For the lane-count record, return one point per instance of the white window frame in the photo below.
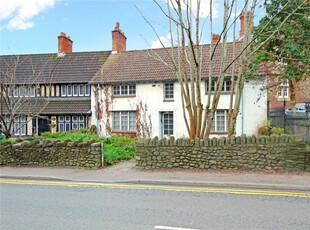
(284, 89)
(61, 127)
(69, 88)
(20, 125)
(75, 87)
(226, 84)
(126, 120)
(124, 90)
(116, 90)
(74, 118)
(61, 119)
(63, 90)
(169, 91)
(81, 90)
(167, 128)
(81, 119)
(70, 122)
(215, 127)
(22, 91)
(132, 90)
(15, 91)
(32, 91)
(87, 90)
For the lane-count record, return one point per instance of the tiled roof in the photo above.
(76, 67)
(68, 106)
(148, 65)
(54, 106)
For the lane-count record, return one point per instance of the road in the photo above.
(66, 205)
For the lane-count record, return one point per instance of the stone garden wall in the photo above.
(48, 153)
(288, 153)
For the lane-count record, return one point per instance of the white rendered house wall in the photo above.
(252, 112)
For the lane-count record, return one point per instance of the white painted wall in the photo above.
(254, 110)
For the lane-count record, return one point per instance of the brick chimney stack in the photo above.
(215, 38)
(64, 43)
(118, 39)
(242, 22)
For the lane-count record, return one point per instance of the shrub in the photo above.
(268, 130)
(277, 130)
(117, 148)
(73, 135)
(265, 130)
(5, 140)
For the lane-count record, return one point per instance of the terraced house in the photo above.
(47, 92)
(137, 93)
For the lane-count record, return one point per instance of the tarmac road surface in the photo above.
(68, 205)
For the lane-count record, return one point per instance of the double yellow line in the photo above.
(262, 192)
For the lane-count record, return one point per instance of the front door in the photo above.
(40, 125)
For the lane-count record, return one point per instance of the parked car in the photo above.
(299, 109)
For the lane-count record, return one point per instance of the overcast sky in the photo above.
(32, 26)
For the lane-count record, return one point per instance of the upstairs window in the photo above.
(63, 90)
(22, 91)
(75, 90)
(212, 86)
(87, 90)
(169, 91)
(81, 90)
(225, 88)
(122, 90)
(69, 90)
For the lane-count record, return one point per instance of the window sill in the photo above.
(131, 133)
(124, 96)
(219, 133)
(284, 99)
(168, 100)
(222, 93)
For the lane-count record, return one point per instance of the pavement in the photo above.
(126, 172)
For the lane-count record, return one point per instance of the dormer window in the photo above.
(75, 90)
(81, 90)
(63, 90)
(69, 90)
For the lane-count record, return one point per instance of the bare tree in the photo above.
(21, 81)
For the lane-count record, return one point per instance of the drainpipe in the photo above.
(97, 100)
(242, 114)
(102, 154)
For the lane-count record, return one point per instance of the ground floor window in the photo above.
(167, 123)
(20, 125)
(68, 123)
(220, 121)
(124, 121)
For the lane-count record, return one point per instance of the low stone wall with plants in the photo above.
(287, 153)
(51, 154)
